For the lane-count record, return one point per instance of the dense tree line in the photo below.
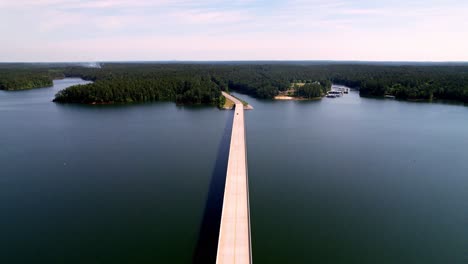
(202, 83)
(128, 89)
(21, 79)
(127, 83)
(407, 82)
(313, 89)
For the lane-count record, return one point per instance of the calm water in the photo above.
(348, 180)
(103, 184)
(355, 180)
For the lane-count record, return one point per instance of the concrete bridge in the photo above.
(234, 245)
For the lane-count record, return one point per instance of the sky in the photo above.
(149, 30)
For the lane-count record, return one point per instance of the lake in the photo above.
(104, 184)
(358, 180)
(345, 180)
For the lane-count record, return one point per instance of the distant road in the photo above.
(234, 236)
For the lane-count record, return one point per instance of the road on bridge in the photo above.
(234, 246)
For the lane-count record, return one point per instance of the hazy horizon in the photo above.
(397, 62)
(242, 30)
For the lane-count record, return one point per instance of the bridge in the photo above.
(234, 245)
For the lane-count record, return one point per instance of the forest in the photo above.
(191, 83)
(311, 90)
(20, 79)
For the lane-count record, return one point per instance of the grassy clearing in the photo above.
(297, 84)
(228, 104)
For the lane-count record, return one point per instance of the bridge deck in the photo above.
(234, 236)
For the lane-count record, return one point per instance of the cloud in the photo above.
(209, 17)
(362, 11)
(243, 29)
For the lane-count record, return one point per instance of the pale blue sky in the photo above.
(85, 30)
